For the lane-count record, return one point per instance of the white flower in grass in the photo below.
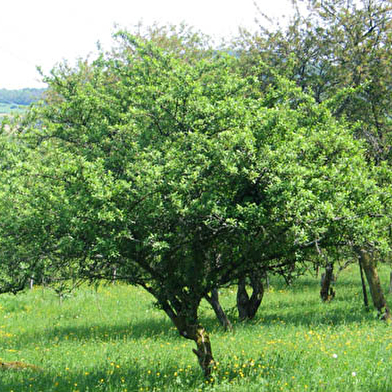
(354, 374)
(334, 355)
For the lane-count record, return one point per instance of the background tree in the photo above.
(339, 51)
(329, 47)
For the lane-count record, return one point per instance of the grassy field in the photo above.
(6, 109)
(114, 339)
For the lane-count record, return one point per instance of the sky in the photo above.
(46, 32)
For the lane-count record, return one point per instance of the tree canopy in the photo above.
(179, 174)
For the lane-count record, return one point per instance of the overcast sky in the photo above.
(45, 32)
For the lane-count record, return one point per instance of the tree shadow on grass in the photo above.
(309, 318)
(155, 329)
(303, 312)
(340, 311)
(106, 377)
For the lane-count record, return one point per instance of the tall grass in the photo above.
(114, 339)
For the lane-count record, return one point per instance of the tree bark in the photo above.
(203, 351)
(188, 327)
(257, 295)
(213, 300)
(327, 293)
(365, 297)
(369, 266)
(242, 299)
(248, 306)
(390, 282)
(183, 313)
(199, 335)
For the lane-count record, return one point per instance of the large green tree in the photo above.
(180, 177)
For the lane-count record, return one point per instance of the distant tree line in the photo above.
(24, 96)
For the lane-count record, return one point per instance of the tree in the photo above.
(339, 52)
(182, 177)
(330, 47)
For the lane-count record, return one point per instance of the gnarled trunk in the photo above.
(203, 352)
(213, 300)
(369, 266)
(199, 335)
(248, 306)
(327, 293)
(188, 327)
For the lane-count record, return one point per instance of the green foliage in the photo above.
(179, 175)
(330, 47)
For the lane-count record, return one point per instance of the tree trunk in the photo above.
(365, 297)
(199, 335)
(374, 283)
(327, 293)
(257, 295)
(188, 327)
(213, 300)
(390, 282)
(247, 307)
(203, 351)
(242, 299)
(317, 269)
(266, 278)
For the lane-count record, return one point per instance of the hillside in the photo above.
(23, 96)
(18, 100)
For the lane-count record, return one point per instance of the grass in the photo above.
(114, 339)
(6, 109)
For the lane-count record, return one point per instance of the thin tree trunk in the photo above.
(327, 293)
(374, 283)
(390, 282)
(365, 297)
(317, 269)
(203, 350)
(213, 300)
(266, 278)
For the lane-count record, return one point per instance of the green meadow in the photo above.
(113, 338)
(6, 109)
